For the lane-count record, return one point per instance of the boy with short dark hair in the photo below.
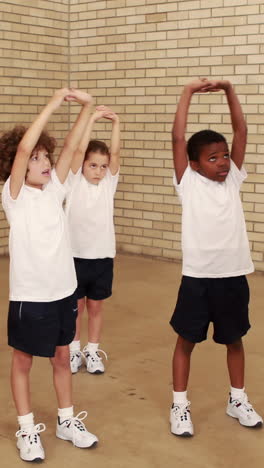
(216, 254)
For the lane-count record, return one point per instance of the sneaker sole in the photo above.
(257, 425)
(97, 372)
(35, 460)
(69, 440)
(76, 371)
(184, 434)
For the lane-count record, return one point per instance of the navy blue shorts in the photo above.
(37, 328)
(222, 301)
(94, 278)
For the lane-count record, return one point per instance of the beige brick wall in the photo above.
(33, 62)
(135, 55)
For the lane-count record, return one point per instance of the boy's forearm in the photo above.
(237, 117)
(180, 120)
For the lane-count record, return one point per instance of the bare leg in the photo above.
(181, 364)
(20, 370)
(236, 363)
(62, 377)
(95, 320)
(81, 307)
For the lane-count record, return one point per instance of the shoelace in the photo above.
(32, 436)
(182, 411)
(93, 355)
(76, 424)
(244, 402)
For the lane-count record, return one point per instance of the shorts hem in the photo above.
(94, 298)
(186, 336)
(233, 340)
(24, 350)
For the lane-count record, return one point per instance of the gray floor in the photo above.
(129, 405)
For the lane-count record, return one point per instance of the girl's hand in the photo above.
(79, 96)
(59, 96)
(107, 113)
(99, 113)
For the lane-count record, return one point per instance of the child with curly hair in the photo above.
(42, 308)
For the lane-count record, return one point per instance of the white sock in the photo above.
(26, 422)
(179, 398)
(65, 413)
(237, 393)
(93, 347)
(75, 346)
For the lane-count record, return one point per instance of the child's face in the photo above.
(214, 162)
(94, 168)
(39, 168)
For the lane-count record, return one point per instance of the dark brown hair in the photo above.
(9, 142)
(96, 146)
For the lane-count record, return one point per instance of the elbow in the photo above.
(24, 150)
(68, 146)
(176, 139)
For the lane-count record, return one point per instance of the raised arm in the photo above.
(79, 154)
(115, 141)
(238, 121)
(73, 138)
(179, 126)
(30, 139)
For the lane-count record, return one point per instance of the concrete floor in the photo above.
(129, 405)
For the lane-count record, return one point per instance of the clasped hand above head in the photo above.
(204, 85)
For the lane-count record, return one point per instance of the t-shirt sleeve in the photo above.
(180, 187)
(237, 175)
(72, 179)
(8, 202)
(112, 180)
(59, 188)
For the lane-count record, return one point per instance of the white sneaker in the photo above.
(180, 420)
(29, 444)
(75, 361)
(242, 410)
(94, 363)
(73, 429)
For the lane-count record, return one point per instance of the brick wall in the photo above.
(135, 55)
(33, 62)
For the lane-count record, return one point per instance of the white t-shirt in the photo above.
(41, 264)
(89, 211)
(214, 237)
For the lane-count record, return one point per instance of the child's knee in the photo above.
(236, 346)
(184, 345)
(61, 360)
(94, 308)
(22, 361)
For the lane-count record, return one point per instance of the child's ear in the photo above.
(195, 165)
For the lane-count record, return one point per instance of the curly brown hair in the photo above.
(9, 142)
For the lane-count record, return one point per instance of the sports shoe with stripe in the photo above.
(94, 363)
(180, 420)
(29, 443)
(75, 361)
(74, 430)
(241, 409)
